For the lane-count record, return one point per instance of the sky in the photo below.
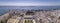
(29, 2)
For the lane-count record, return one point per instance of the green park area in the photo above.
(28, 21)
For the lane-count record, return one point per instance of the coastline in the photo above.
(4, 17)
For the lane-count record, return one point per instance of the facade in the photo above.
(14, 20)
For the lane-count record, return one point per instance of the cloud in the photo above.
(29, 4)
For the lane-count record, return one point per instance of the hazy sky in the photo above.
(29, 2)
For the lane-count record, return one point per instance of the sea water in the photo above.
(4, 9)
